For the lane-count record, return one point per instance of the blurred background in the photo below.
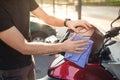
(98, 12)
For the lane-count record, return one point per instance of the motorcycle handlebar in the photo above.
(113, 32)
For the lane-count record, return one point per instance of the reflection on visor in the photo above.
(80, 59)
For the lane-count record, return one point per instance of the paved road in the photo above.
(101, 17)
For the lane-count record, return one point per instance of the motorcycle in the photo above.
(100, 66)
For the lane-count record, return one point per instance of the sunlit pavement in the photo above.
(99, 16)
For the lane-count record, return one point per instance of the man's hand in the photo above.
(74, 46)
(78, 23)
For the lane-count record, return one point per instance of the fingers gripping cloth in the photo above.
(80, 59)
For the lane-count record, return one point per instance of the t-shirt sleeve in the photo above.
(33, 5)
(5, 20)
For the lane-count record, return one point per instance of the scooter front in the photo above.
(62, 69)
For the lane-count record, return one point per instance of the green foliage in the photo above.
(105, 3)
(84, 2)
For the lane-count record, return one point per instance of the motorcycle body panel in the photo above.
(70, 71)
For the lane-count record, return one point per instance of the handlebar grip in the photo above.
(113, 32)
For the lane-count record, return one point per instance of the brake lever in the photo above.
(111, 43)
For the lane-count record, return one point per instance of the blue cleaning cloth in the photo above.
(80, 59)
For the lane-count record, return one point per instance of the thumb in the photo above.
(73, 36)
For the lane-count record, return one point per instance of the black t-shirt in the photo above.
(15, 13)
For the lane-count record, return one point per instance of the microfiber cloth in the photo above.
(80, 59)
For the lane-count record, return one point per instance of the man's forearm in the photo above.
(42, 48)
(55, 21)
(16, 40)
(51, 20)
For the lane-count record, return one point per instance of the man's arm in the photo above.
(51, 20)
(15, 39)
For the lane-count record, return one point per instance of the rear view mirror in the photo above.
(116, 19)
